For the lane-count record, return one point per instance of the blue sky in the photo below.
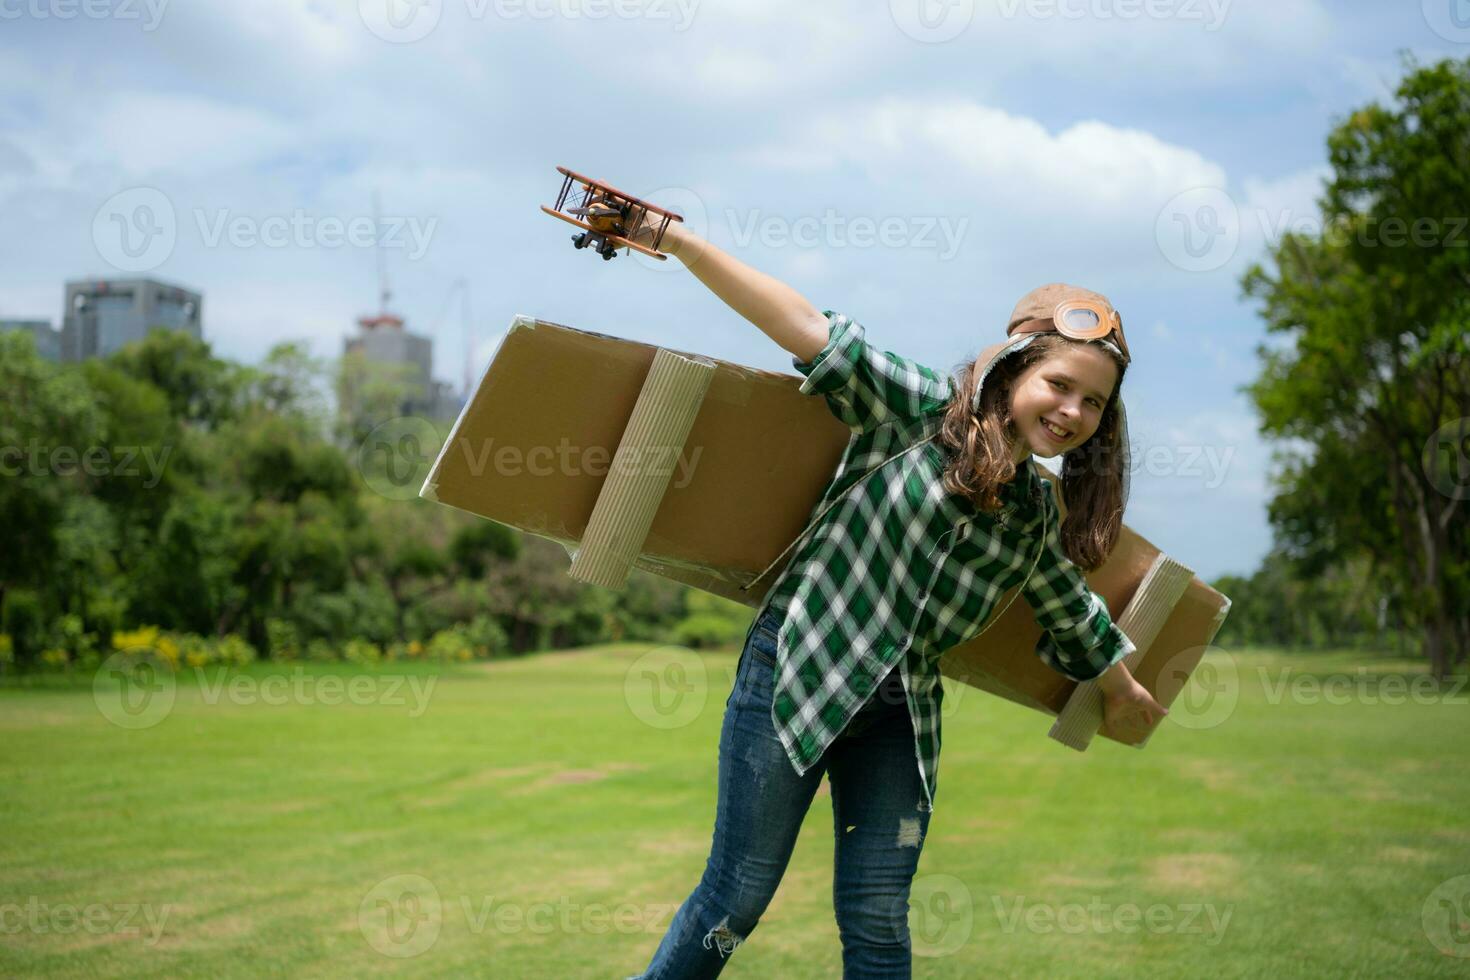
(916, 164)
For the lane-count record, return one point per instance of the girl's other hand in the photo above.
(1130, 712)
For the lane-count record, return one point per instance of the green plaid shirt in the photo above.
(899, 571)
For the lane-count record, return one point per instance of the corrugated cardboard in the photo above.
(533, 447)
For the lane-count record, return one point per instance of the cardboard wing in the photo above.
(704, 471)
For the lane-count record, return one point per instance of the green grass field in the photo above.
(542, 818)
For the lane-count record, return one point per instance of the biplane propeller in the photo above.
(611, 216)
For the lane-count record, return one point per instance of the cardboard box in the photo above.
(727, 465)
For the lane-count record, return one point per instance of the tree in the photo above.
(1376, 311)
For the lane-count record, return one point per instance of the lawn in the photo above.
(543, 818)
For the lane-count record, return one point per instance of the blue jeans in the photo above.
(879, 828)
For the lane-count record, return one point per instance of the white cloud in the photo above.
(149, 132)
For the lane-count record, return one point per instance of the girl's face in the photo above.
(1058, 402)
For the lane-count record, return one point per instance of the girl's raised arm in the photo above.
(779, 311)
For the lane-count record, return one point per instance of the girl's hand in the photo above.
(643, 231)
(1130, 712)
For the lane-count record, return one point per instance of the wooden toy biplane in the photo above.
(610, 215)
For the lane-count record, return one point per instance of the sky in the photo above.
(916, 164)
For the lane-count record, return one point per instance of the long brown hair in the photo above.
(981, 444)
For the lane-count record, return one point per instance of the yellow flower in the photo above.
(142, 639)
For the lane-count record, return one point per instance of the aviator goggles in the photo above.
(1079, 319)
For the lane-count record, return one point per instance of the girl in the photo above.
(935, 511)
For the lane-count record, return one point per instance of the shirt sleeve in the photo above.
(866, 387)
(1080, 639)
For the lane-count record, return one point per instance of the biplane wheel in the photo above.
(607, 254)
(580, 241)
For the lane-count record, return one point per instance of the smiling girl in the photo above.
(934, 513)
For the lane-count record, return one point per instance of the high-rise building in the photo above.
(101, 315)
(383, 340)
(48, 339)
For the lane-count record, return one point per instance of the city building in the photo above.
(48, 339)
(101, 315)
(383, 340)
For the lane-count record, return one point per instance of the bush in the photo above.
(365, 652)
(283, 640)
(24, 624)
(703, 630)
(448, 646)
(486, 638)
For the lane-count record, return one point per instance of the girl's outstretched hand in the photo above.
(1130, 712)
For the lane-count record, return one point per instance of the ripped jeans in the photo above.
(879, 827)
